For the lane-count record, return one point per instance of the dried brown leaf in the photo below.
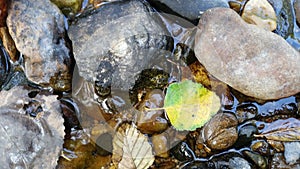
(131, 149)
(281, 130)
(287, 134)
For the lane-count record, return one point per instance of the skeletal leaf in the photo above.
(31, 130)
(189, 105)
(131, 149)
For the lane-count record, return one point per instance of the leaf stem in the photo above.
(153, 109)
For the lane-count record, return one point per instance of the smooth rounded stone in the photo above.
(160, 144)
(238, 163)
(182, 152)
(292, 152)
(254, 61)
(229, 160)
(245, 135)
(260, 13)
(221, 131)
(119, 40)
(259, 160)
(37, 27)
(4, 65)
(190, 9)
(152, 121)
(261, 146)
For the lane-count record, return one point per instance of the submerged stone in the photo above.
(256, 62)
(119, 40)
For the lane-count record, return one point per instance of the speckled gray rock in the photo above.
(190, 9)
(37, 27)
(117, 42)
(238, 163)
(27, 141)
(253, 61)
(292, 152)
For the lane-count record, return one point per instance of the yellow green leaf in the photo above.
(189, 105)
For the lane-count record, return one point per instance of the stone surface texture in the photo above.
(37, 27)
(256, 62)
(27, 141)
(117, 42)
(297, 10)
(260, 13)
(221, 131)
(190, 9)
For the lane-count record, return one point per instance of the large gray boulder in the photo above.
(253, 61)
(119, 40)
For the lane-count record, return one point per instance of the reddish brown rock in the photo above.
(3, 12)
(221, 131)
(253, 61)
(8, 43)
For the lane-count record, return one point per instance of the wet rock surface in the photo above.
(255, 66)
(161, 145)
(245, 135)
(278, 162)
(221, 131)
(132, 39)
(259, 160)
(32, 128)
(250, 133)
(4, 65)
(37, 27)
(151, 122)
(190, 9)
(287, 26)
